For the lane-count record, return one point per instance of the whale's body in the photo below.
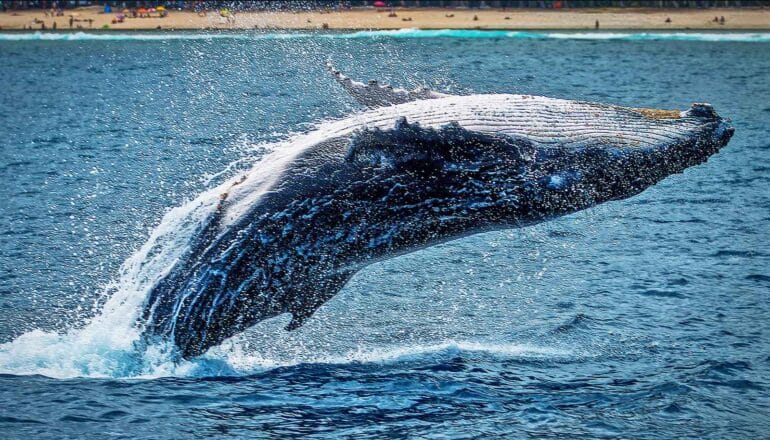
(397, 178)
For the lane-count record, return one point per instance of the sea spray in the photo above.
(107, 345)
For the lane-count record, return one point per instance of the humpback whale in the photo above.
(414, 169)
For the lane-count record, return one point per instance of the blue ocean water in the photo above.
(645, 318)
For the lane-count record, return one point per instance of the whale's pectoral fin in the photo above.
(375, 95)
(321, 292)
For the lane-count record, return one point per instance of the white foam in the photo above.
(248, 363)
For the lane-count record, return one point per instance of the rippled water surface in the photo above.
(645, 318)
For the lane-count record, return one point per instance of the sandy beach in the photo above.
(523, 19)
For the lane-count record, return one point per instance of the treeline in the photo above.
(346, 4)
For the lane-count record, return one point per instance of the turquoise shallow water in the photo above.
(641, 318)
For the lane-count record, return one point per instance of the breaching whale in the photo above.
(415, 169)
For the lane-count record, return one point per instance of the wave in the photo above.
(78, 356)
(245, 364)
(749, 37)
(762, 37)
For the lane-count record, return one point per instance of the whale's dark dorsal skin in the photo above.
(377, 185)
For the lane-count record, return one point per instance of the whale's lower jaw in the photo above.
(347, 198)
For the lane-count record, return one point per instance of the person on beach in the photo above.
(597, 25)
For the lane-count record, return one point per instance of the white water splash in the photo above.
(105, 347)
(243, 362)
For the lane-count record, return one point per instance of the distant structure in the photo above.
(348, 4)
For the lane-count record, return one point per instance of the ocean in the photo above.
(642, 318)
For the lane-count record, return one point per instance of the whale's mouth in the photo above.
(726, 132)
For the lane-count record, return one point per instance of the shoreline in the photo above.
(92, 19)
(341, 30)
